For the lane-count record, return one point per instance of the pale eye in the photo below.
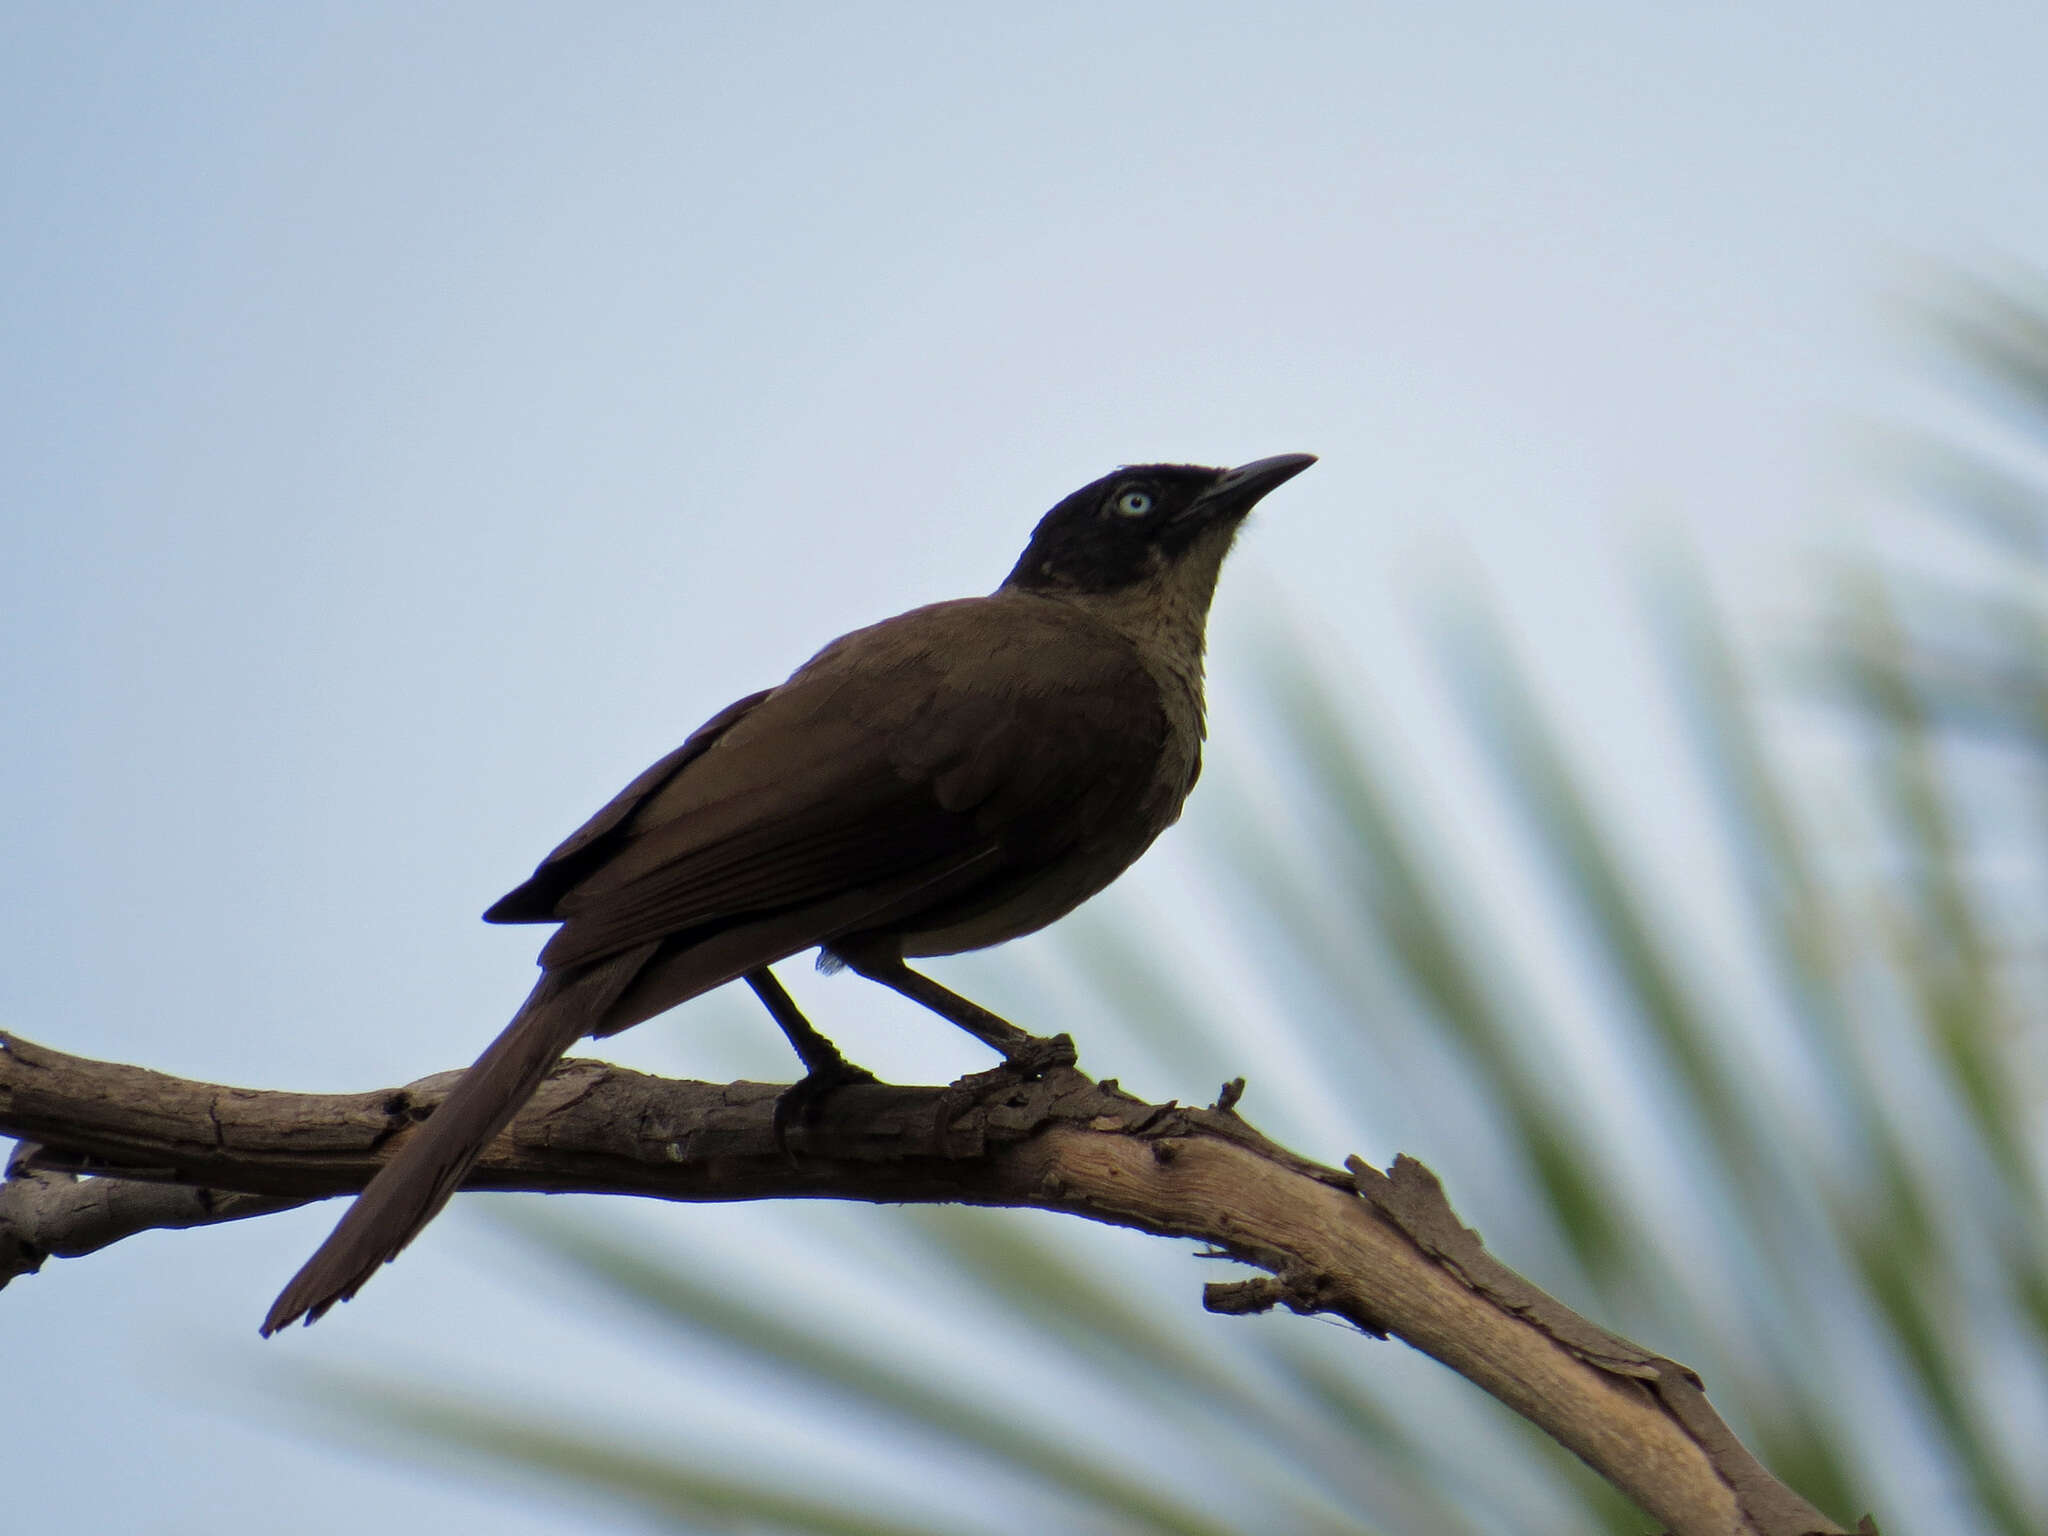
(1135, 503)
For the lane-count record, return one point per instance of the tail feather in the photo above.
(409, 1191)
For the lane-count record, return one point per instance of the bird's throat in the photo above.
(1165, 616)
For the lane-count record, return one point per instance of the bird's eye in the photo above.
(1135, 503)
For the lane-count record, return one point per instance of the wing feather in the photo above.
(991, 735)
(535, 900)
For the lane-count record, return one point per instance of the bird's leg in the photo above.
(820, 1056)
(1026, 1052)
(824, 1068)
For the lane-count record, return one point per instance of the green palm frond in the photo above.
(1838, 1214)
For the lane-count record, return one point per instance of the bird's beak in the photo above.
(1242, 488)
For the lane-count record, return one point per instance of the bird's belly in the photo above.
(1015, 908)
(1026, 899)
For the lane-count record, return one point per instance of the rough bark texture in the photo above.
(1383, 1250)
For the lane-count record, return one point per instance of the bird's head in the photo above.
(1134, 527)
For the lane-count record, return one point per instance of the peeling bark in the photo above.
(110, 1150)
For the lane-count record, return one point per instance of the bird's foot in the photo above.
(1036, 1055)
(802, 1102)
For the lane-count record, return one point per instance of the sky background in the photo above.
(414, 420)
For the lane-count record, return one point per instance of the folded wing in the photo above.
(967, 742)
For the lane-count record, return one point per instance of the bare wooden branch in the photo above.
(1383, 1250)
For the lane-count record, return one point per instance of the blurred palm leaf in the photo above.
(1827, 1198)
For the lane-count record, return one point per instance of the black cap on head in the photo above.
(1128, 525)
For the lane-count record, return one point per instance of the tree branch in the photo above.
(1383, 1250)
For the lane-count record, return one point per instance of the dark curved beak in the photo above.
(1243, 487)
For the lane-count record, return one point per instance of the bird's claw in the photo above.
(1036, 1055)
(801, 1103)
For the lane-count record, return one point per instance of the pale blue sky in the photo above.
(413, 420)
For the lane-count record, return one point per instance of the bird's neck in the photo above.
(1166, 618)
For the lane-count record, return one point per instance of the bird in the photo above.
(945, 780)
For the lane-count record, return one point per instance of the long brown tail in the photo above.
(409, 1191)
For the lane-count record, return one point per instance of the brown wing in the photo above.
(534, 902)
(974, 738)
